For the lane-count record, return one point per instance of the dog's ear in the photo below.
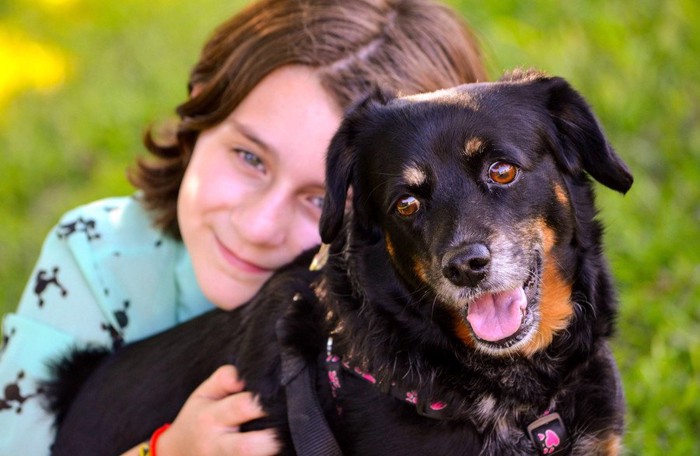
(340, 168)
(341, 160)
(582, 143)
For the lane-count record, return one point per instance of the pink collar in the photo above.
(547, 433)
(335, 366)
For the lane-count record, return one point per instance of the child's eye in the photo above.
(317, 200)
(251, 159)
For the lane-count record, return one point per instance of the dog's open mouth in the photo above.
(501, 320)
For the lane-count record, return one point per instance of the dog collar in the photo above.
(335, 366)
(547, 433)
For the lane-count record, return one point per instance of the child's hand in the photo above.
(208, 423)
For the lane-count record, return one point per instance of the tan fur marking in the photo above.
(414, 176)
(389, 245)
(474, 145)
(462, 331)
(547, 234)
(560, 194)
(556, 308)
(613, 446)
(419, 268)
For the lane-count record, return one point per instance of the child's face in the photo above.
(251, 197)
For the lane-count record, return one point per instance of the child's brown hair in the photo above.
(405, 46)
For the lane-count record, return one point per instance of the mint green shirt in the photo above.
(105, 276)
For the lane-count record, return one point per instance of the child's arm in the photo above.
(57, 309)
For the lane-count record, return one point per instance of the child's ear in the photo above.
(195, 90)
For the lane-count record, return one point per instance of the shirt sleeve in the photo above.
(105, 277)
(60, 308)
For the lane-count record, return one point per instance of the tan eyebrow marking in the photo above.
(474, 145)
(560, 194)
(414, 176)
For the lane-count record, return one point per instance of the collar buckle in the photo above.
(549, 435)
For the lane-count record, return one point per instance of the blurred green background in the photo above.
(81, 79)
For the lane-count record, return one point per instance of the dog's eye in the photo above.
(407, 205)
(502, 173)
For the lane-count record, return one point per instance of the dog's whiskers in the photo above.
(432, 309)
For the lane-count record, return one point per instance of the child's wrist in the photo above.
(149, 449)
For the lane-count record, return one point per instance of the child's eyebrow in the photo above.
(251, 135)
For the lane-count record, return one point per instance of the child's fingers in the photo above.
(237, 409)
(223, 382)
(253, 443)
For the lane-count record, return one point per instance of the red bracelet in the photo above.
(156, 435)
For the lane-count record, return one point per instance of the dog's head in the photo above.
(480, 197)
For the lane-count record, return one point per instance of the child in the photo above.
(228, 198)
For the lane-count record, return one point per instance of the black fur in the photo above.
(397, 289)
(73, 371)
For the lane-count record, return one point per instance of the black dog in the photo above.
(465, 307)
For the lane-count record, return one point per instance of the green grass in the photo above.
(636, 63)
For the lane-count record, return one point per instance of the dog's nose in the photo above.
(466, 266)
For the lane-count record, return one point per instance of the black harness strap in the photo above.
(310, 431)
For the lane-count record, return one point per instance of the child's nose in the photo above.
(265, 219)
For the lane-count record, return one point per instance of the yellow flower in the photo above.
(28, 65)
(56, 3)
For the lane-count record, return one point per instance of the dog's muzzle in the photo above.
(500, 316)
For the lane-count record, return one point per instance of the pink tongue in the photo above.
(496, 316)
